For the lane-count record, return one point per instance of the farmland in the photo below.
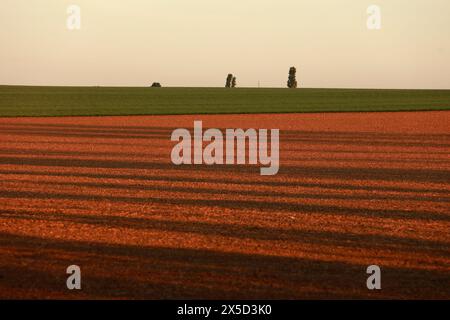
(353, 189)
(103, 101)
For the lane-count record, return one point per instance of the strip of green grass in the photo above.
(92, 101)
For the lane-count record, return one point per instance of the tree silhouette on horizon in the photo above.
(292, 81)
(229, 80)
(233, 82)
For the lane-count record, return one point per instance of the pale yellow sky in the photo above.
(197, 42)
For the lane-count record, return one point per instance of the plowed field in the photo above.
(353, 190)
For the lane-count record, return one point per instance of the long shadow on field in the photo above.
(306, 150)
(332, 239)
(363, 151)
(91, 135)
(213, 192)
(386, 174)
(288, 133)
(106, 164)
(85, 127)
(366, 139)
(157, 272)
(241, 182)
(297, 159)
(263, 206)
(310, 137)
(301, 159)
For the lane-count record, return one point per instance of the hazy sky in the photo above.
(197, 42)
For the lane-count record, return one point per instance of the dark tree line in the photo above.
(291, 83)
(231, 81)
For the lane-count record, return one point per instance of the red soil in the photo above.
(354, 189)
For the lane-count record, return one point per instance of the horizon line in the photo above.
(216, 87)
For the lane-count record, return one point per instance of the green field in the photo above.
(92, 101)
